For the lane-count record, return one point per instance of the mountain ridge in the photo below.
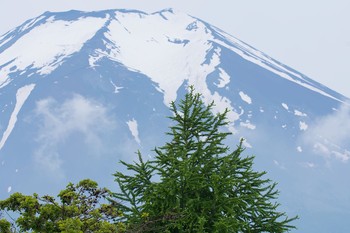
(242, 45)
(81, 90)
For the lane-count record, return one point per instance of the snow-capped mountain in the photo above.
(81, 90)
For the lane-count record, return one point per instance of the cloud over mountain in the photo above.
(58, 121)
(329, 135)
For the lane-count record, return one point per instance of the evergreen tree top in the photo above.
(203, 186)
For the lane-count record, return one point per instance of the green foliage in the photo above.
(81, 208)
(196, 184)
(5, 226)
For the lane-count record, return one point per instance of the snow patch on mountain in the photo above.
(224, 78)
(245, 97)
(256, 54)
(116, 88)
(133, 127)
(285, 106)
(21, 96)
(4, 78)
(298, 113)
(93, 59)
(31, 23)
(299, 149)
(144, 42)
(48, 47)
(5, 41)
(303, 125)
(258, 58)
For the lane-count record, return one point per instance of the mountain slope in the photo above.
(81, 90)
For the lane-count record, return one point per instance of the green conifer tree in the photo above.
(196, 184)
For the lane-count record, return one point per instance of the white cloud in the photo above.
(309, 165)
(329, 136)
(47, 157)
(343, 155)
(321, 148)
(279, 165)
(60, 120)
(248, 125)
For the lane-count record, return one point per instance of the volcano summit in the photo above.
(81, 90)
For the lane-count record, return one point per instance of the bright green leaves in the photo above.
(5, 226)
(81, 208)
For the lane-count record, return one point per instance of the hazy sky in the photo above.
(311, 36)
